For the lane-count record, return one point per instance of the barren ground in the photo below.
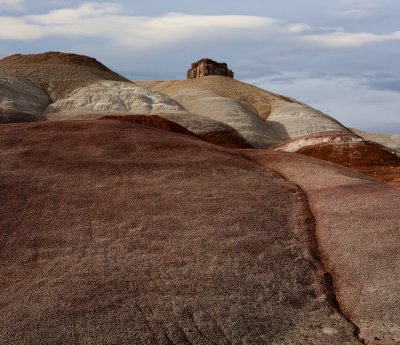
(114, 233)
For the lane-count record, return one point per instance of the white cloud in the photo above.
(350, 101)
(109, 22)
(12, 5)
(349, 40)
(359, 9)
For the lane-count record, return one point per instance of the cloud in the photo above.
(108, 21)
(383, 83)
(12, 5)
(350, 101)
(358, 9)
(343, 39)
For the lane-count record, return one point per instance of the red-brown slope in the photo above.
(113, 233)
(57, 73)
(154, 121)
(351, 151)
(358, 231)
(221, 138)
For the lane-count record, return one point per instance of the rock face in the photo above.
(205, 67)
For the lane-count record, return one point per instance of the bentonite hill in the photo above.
(197, 211)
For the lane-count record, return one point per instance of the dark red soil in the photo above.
(358, 230)
(364, 156)
(154, 121)
(114, 233)
(225, 139)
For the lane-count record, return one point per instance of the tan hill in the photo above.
(126, 98)
(242, 106)
(349, 150)
(77, 85)
(56, 73)
(132, 229)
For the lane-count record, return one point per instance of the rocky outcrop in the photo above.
(205, 67)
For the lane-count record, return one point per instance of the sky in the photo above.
(340, 56)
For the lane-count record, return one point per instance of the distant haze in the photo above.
(340, 56)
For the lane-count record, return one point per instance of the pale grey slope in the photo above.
(21, 101)
(124, 98)
(299, 119)
(284, 117)
(206, 103)
(113, 96)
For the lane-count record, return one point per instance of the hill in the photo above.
(56, 73)
(167, 212)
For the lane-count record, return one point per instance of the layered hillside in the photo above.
(388, 140)
(166, 212)
(56, 73)
(271, 118)
(21, 101)
(79, 87)
(351, 151)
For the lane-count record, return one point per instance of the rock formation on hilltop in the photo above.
(206, 67)
(134, 230)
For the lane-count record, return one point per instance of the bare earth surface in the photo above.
(21, 101)
(351, 151)
(222, 138)
(389, 140)
(113, 233)
(242, 106)
(357, 226)
(56, 73)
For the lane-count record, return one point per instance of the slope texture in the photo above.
(357, 230)
(132, 235)
(56, 73)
